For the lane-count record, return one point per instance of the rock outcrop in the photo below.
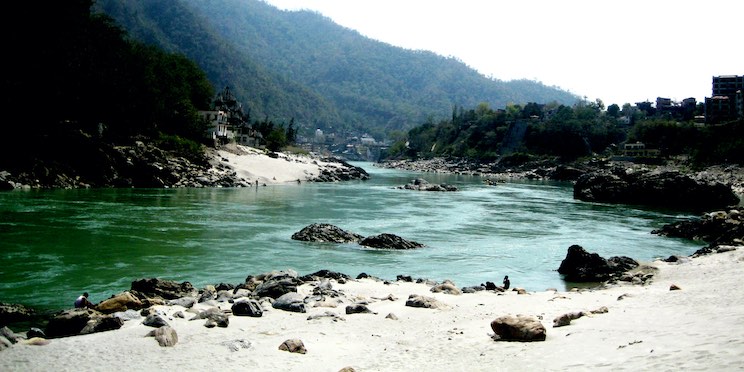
(582, 266)
(142, 163)
(724, 227)
(323, 232)
(389, 241)
(80, 321)
(340, 170)
(420, 184)
(159, 288)
(663, 189)
(11, 313)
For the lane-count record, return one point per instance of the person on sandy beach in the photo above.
(82, 301)
(506, 282)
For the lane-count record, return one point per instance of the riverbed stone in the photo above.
(323, 232)
(582, 266)
(389, 241)
(518, 328)
(165, 289)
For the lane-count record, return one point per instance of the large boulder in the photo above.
(518, 328)
(663, 189)
(121, 302)
(389, 241)
(420, 184)
(293, 302)
(565, 173)
(166, 336)
(165, 289)
(600, 187)
(336, 169)
(80, 321)
(582, 266)
(11, 313)
(323, 232)
(274, 284)
(247, 308)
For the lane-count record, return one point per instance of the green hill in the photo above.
(299, 64)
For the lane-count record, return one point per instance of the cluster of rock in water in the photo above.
(327, 233)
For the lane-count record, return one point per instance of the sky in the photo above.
(619, 51)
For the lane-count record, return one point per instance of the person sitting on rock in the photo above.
(506, 282)
(82, 301)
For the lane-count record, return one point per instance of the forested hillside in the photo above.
(77, 88)
(302, 65)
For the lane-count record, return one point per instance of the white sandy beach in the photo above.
(255, 165)
(699, 327)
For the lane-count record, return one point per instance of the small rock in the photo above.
(293, 346)
(165, 335)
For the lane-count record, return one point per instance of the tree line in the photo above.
(568, 133)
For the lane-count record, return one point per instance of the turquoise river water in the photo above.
(55, 244)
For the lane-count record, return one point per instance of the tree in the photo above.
(276, 139)
(613, 110)
(291, 134)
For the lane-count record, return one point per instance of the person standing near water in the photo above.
(506, 282)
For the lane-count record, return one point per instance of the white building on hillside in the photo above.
(218, 124)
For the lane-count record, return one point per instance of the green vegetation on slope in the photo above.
(567, 132)
(77, 80)
(301, 65)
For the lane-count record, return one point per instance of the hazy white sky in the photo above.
(616, 50)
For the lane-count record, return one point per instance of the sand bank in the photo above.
(256, 165)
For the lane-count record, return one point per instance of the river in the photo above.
(56, 244)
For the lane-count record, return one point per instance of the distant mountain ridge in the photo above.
(299, 64)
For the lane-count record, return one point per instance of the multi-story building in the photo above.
(727, 85)
(219, 125)
(226, 122)
(663, 104)
(727, 101)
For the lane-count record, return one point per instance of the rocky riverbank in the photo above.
(144, 164)
(551, 169)
(327, 321)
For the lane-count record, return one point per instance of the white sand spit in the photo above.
(255, 165)
(699, 327)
